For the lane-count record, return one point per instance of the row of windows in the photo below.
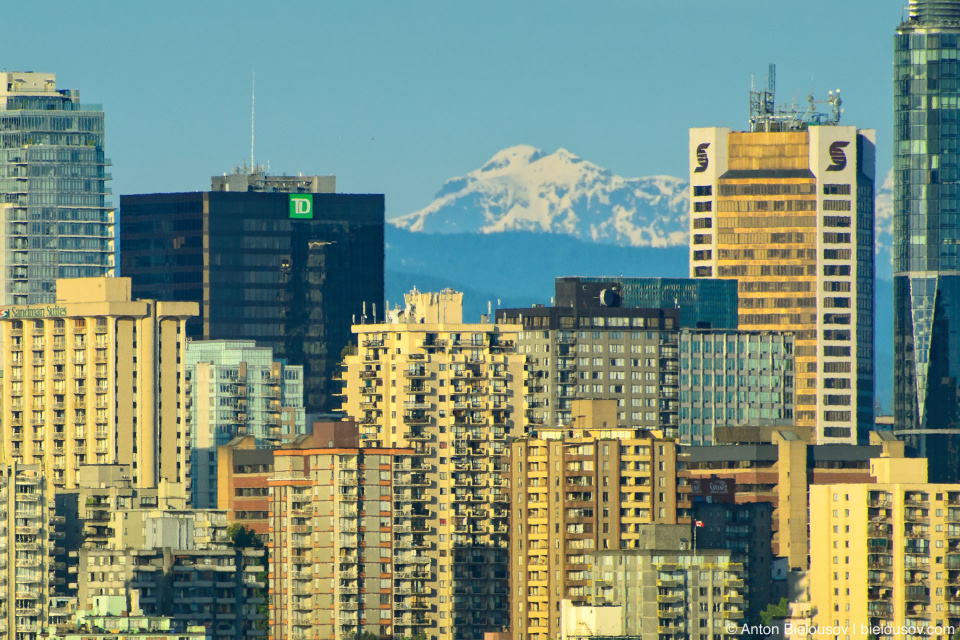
(729, 397)
(709, 380)
(767, 238)
(780, 270)
(750, 413)
(764, 189)
(836, 205)
(748, 206)
(753, 346)
(767, 222)
(768, 254)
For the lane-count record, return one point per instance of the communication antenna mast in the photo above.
(253, 104)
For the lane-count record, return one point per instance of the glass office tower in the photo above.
(291, 270)
(56, 222)
(926, 165)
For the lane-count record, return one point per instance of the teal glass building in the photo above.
(53, 195)
(703, 303)
(926, 197)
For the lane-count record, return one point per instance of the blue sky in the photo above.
(396, 97)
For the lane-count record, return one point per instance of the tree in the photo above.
(781, 610)
(243, 537)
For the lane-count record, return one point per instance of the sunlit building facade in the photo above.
(790, 216)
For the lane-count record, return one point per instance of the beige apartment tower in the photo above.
(584, 488)
(887, 555)
(346, 558)
(453, 393)
(789, 214)
(96, 378)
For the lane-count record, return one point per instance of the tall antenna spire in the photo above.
(253, 104)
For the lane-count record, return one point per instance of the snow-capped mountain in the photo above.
(523, 189)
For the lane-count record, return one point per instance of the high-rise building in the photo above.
(53, 194)
(926, 260)
(291, 270)
(159, 558)
(454, 393)
(349, 556)
(96, 378)
(243, 469)
(787, 210)
(237, 388)
(667, 590)
(745, 530)
(734, 378)
(886, 554)
(701, 302)
(628, 355)
(779, 470)
(26, 553)
(612, 481)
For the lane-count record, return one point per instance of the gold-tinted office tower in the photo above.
(789, 214)
(96, 378)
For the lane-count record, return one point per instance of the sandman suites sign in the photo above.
(19, 313)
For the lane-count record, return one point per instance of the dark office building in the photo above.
(926, 236)
(289, 270)
(703, 303)
(745, 530)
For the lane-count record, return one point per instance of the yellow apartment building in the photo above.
(453, 392)
(96, 378)
(584, 488)
(345, 556)
(885, 557)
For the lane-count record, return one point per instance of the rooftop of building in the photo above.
(931, 13)
(248, 178)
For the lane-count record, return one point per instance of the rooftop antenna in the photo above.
(253, 104)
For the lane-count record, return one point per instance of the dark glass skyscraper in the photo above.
(926, 193)
(289, 270)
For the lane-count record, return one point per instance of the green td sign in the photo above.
(301, 206)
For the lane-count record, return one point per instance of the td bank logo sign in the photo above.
(301, 206)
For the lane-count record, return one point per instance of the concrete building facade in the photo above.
(576, 490)
(628, 355)
(790, 215)
(97, 378)
(454, 393)
(779, 471)
(349, 550)
(665, 589)
(887, 554)
(27, 548)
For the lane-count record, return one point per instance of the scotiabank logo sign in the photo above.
(718, 488)
(702, 160)
(838, 156)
